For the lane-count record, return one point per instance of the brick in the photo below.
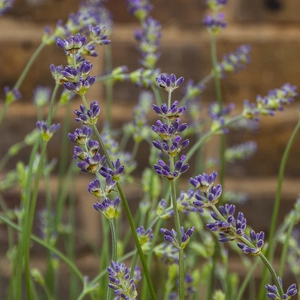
(188, 13)
(272, 11)
(43, 11)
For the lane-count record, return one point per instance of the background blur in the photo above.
(271, 27)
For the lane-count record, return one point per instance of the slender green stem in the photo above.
(64, 174)
(104, 258)
(47, 246)
(50, 114)
(178, 231)
(21, 248)
(29, 64)
(157, 95)
(108, 85)
(29, 220)
(3, 111)
(208, 134)
(212, 274)
(220, 102)
(113, 252)
(22, 77)
(270, 249)
(134, 150)
(247, 279)
(133, 264)
(71, 245)
(202, 82)
(286, 244)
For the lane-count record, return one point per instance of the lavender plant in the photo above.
(181, 232)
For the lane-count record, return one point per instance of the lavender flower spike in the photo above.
(120, 282)
(204, 181)
(82, 86)
(47, 132)
(170, 114)
(214, 24)
(273, 292)
(5, 5)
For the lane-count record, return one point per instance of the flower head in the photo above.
(149, 38)
(240, 152)
(257, 240)
(95, 188)
(234, 61)
(139, 8)
(163, 169)
(108, 207)
(273, 292)
(204, 181)
(5, 5)
(88, 116)
(215, 4)
(41, 96)
(214, 24)
(82, 86)
(98, 35)
(169, 82)
(120, 282)
(11, 95)
(47, 132)
(172, 113)
(276, 99)
(71, 45)
(80, 136)
(169, 131)
(170, 236)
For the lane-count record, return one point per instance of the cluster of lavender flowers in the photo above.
(99, 154)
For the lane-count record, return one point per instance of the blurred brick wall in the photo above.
(272, 28)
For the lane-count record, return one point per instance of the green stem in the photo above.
(64, 175)
(208, 134)
(22, 77)
(104, 258)
(71, 245)
(287, 239)
(220, 102)
(248, 277)
(108, 85)
(113, 251)
(47, 246)
(210, 288)
(157, 95)
(202, 82)
(26, 206)
(29, 64)
(270, 250)
(133, 264)
(29, 220)
(179, 235)
(50, 113)
(3, 111)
